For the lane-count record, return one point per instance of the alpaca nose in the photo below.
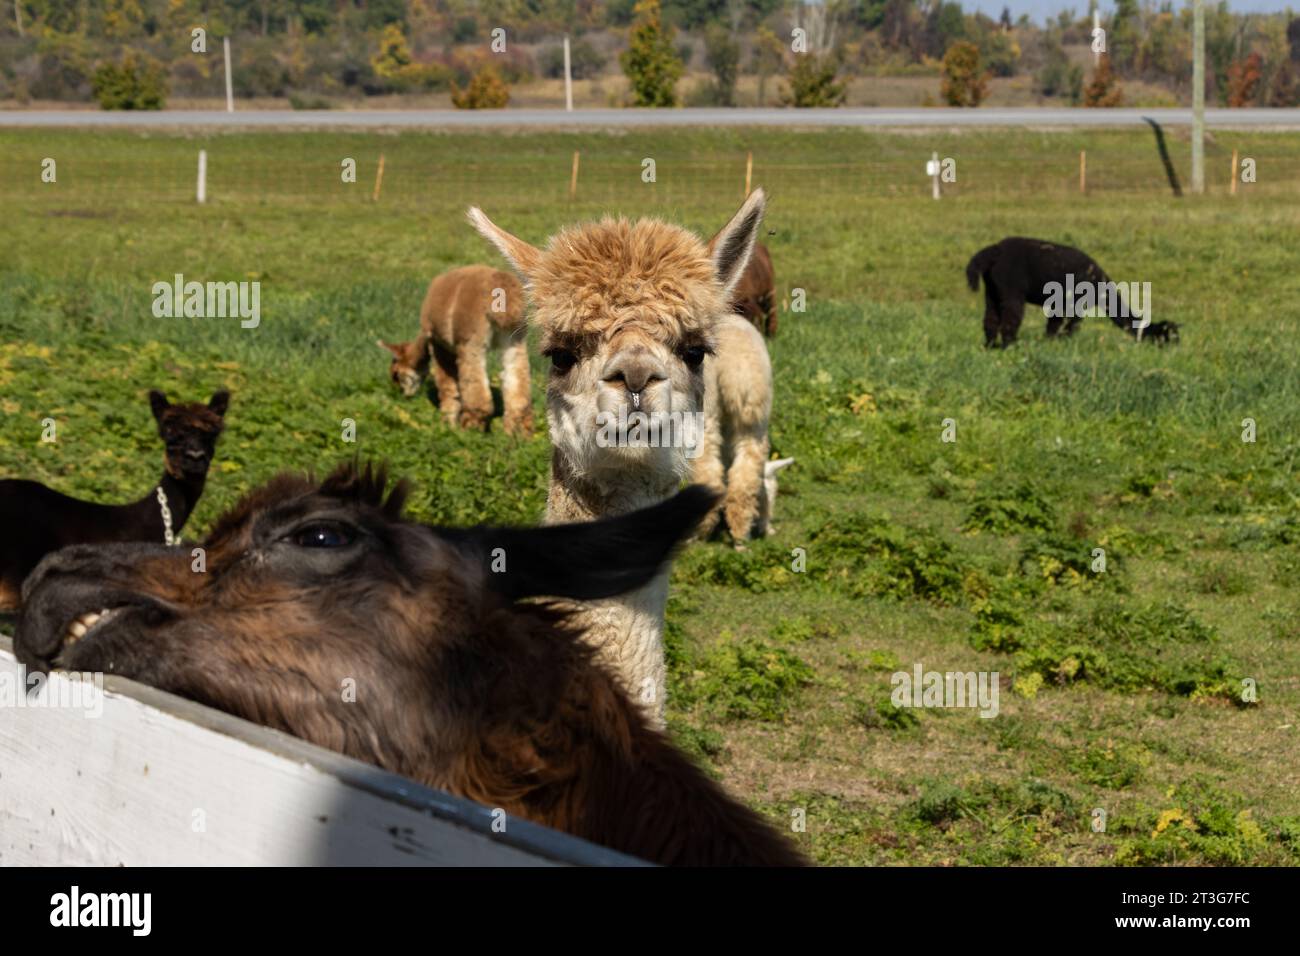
(636, 370)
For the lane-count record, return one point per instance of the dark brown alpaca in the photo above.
(755, 295)
(38, 520)
(458, 684)
(1018, 270)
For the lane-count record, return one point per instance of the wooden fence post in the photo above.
(379, 179)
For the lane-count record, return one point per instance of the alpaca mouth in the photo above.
(87, 624)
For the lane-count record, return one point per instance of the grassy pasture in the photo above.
(1120, 692)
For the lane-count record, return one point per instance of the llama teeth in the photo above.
(78, 629)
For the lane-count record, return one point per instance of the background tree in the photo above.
(651, 66)
(722, 53)
(486, 91)
(1243, 80)
(964, 82)
(1103, 89)
(812, 82)
(1123, 37)
(768, 58)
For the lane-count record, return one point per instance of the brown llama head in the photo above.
(189, 432)
(459, 682)
(627, 312)
(410, 365)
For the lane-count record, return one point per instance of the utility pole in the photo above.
(568, 79)
(18, 17)
(1198, 98)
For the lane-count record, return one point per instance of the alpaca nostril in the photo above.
(635, 377)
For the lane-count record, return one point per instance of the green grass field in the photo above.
(1121, 693)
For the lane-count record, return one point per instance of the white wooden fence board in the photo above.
(158, 780)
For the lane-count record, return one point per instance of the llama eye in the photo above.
(693, 355)
(561, 359)
(324, 536)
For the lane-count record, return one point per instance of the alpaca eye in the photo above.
(561, 359)
(693, 355)
(323, 536)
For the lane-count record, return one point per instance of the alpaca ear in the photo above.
(220, 402)
(734, 243)
(158, 403)
(398, 351)
(586, 561)
(771, 468)
(521, 255)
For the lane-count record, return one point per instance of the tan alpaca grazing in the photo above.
(737, 406)
(466, 312)
(629, 314)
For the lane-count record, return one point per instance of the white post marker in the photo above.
(568, 79)
(1096, 25)
(932, 170)
(230, 89)
(203, 176)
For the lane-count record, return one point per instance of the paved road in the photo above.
(445, 119)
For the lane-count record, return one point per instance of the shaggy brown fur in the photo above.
(458, 686)
(37, 520)
(465, 312)
(755, 295)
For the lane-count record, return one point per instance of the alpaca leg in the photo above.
(515, 385)
(745, 486)
(709, 471)
(475, 391)
(1053, 325)
(769, 310)
(1012, 314)
(443, 368)
(990, 318)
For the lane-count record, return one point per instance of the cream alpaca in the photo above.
(628, 312)
(738, 405)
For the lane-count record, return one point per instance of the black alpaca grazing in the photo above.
(1017, 271)
(38, 520)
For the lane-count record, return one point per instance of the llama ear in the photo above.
(219, 402)
(522, 256)
(732, 246)
(158, 402)
(398, 350)
(771, 468)
(595, 559)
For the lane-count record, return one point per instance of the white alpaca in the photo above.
(628, 313)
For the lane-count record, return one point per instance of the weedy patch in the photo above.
(742, 679)
(1024, 509)
(1204, 824)
(1061, 560)
(1114, 766)
(1158, 646)
(872, 555)
(878, 712)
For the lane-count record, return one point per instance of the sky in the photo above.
(1039, 10)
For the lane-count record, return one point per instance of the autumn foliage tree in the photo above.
(964, 82)
(1243, 79)
(1103, 90)
(486, 91)
(650, 63)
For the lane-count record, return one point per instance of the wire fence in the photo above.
(404, 178)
